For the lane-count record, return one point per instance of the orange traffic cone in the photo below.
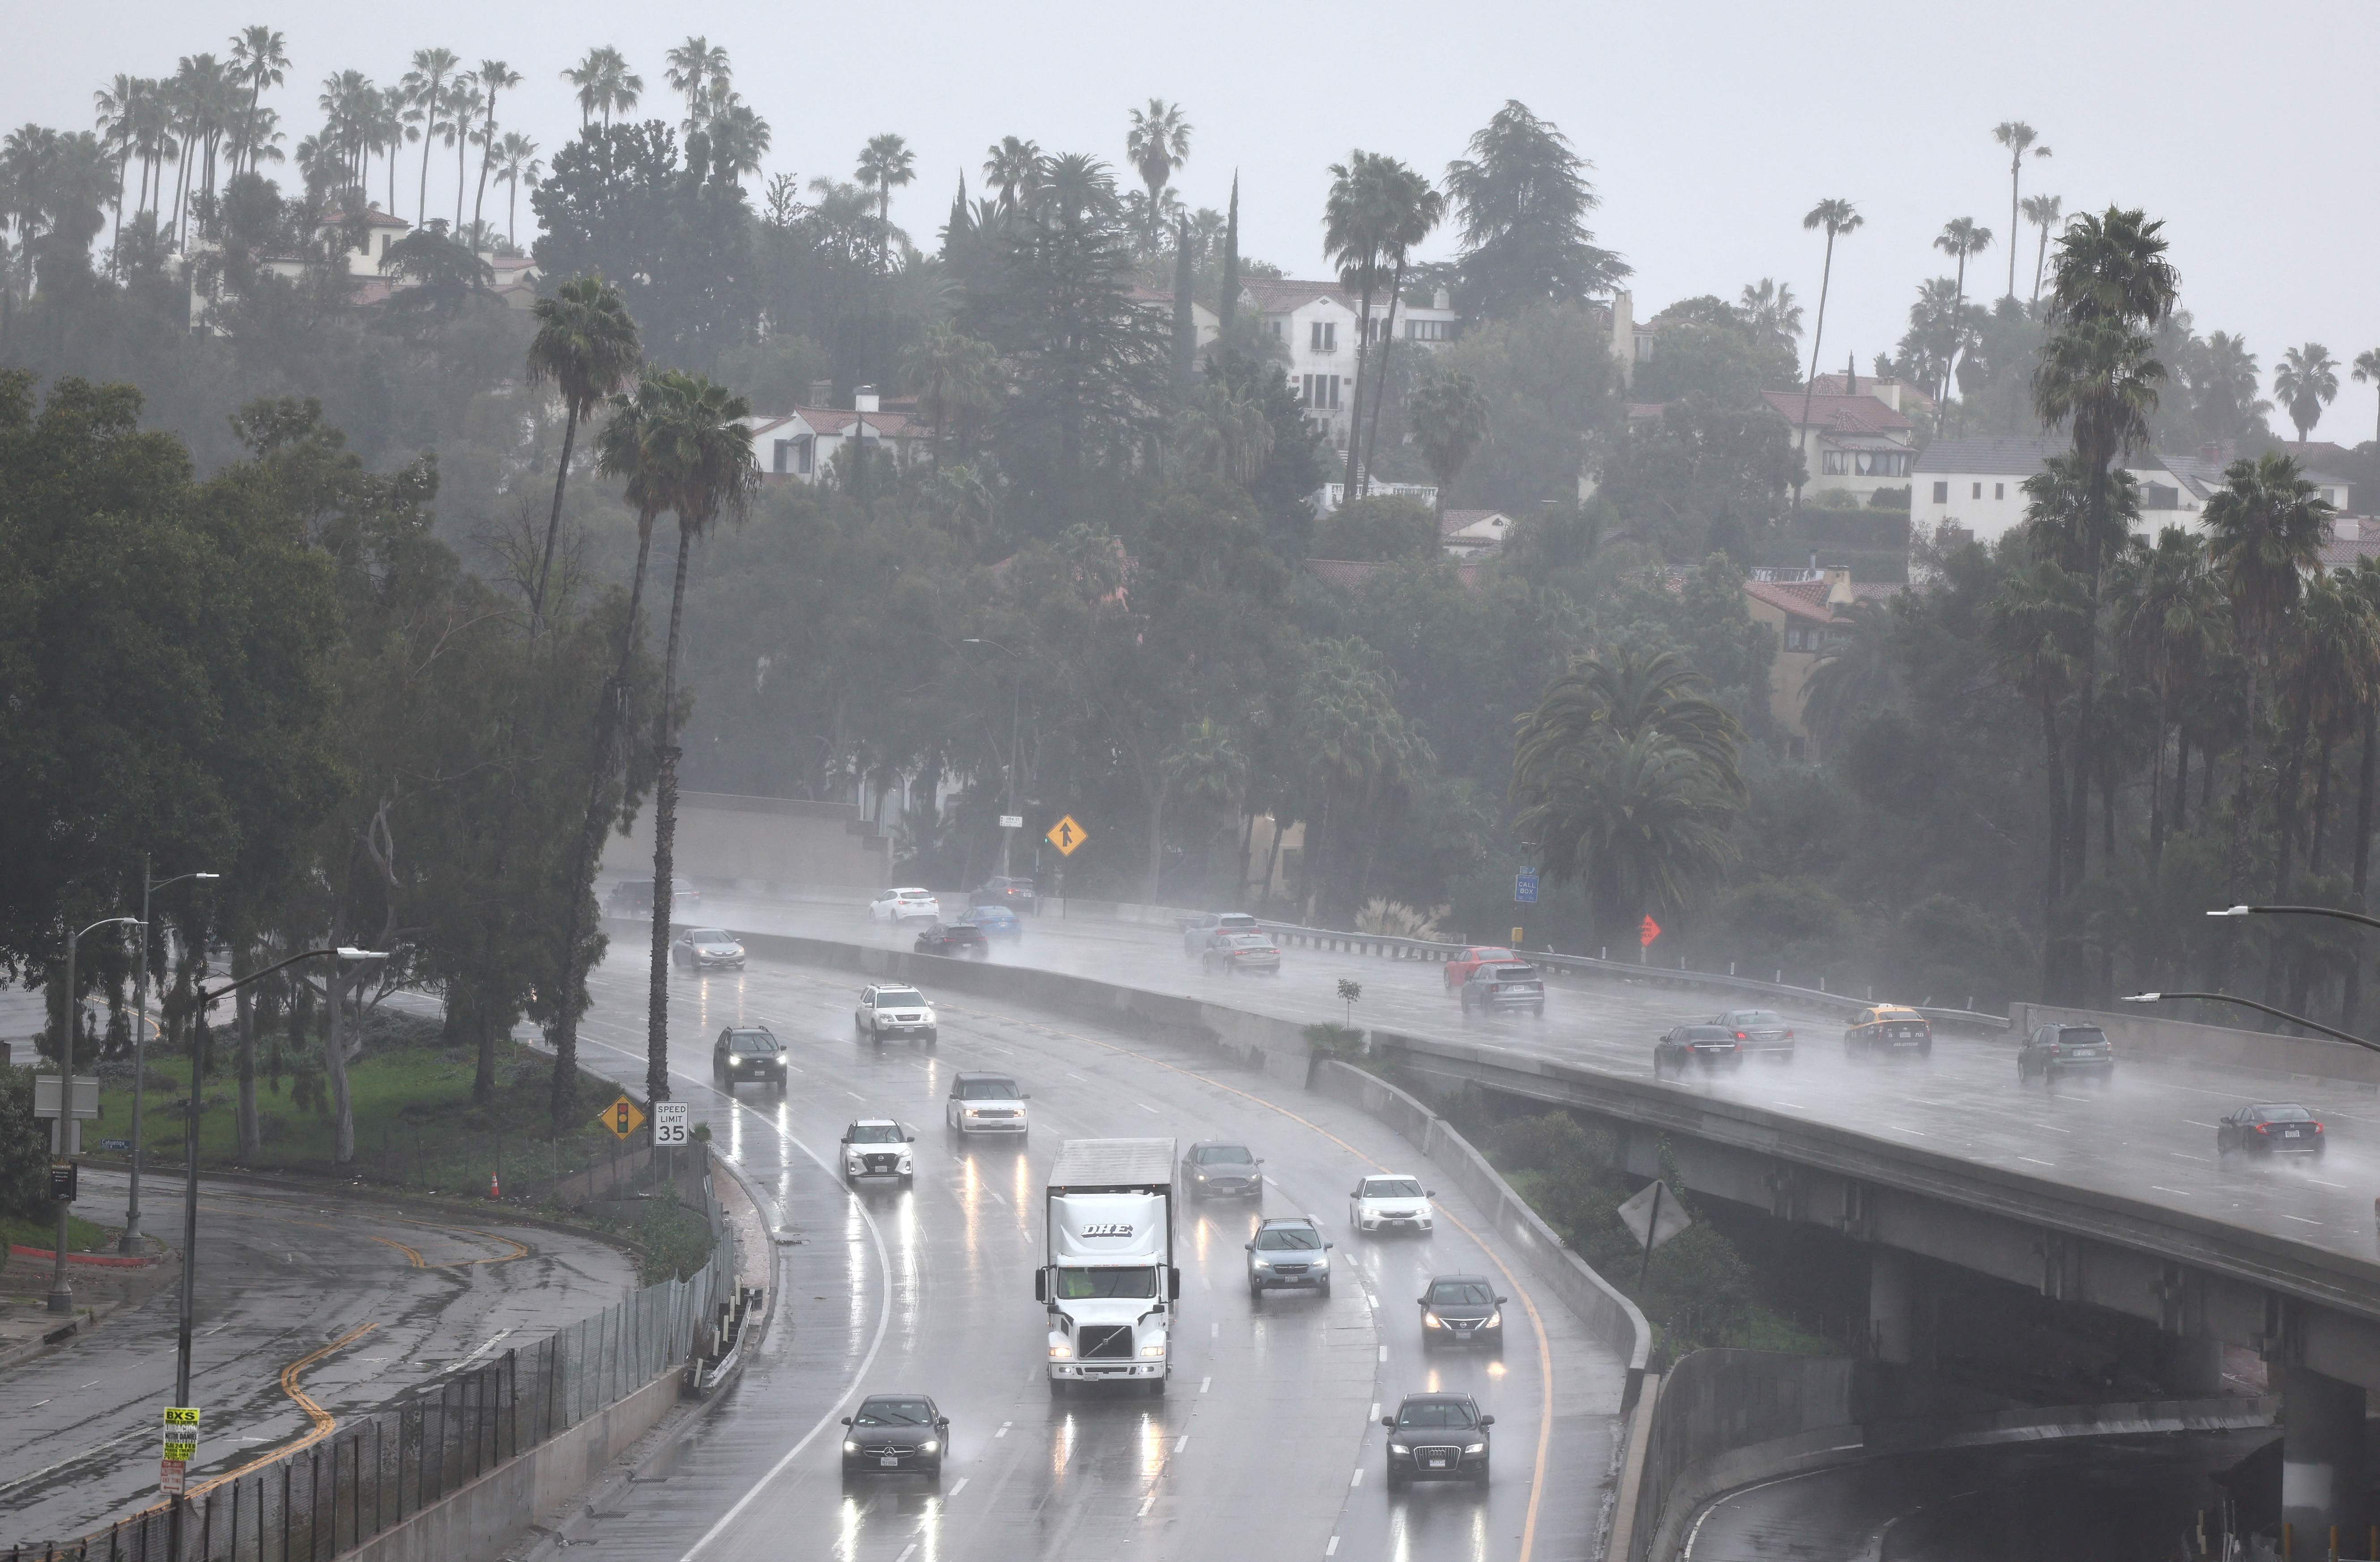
(494, 1192)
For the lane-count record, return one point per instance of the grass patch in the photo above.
(82, 1236)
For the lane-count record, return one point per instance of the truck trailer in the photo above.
(1108, 1284)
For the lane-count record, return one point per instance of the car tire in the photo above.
(1396, 1481)
(1255, 1292)
(1538, 1012)
(933, 1039)
(1325, 1289)
(1058, 1389)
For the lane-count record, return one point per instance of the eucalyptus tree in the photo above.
(585, 347)
(2042, 211)
(494, 76)
(2306, 381)
(1524, 198)
(2018, 138)
(1837, 217)
(425, 90)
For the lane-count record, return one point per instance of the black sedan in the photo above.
(1438, 1438)
(749, 1052)
(1461, 1309)
(2275, 1130)
(960, 940)
(895, 1433)
(1213, 1169)
(1708, 1048)
(1015, 893)
(1763, 1032)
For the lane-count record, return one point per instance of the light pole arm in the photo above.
(207, 998)
(2354, 916)
(2260, 1007)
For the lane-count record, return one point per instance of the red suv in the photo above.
(1466, 961)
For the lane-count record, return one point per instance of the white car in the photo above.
(895, 907)
(988, 1103)
(1391, 1203)
(877, 1150)
(895, 1013)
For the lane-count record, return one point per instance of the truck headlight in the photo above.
(1263, 1263)
(1156, 1350)
(1060, 1352)
(735, 1061)
(928, 1018)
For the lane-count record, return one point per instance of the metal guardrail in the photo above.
(344, 1484)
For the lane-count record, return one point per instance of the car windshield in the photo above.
(899, 998)
(708, 936)
(1437, 1414)
(751, 1041)
(1221, 1155)
(1081, 1285)
(1460, 1294)
(1391, 1188)
(2083, 1036)
(1752, 1017)
(876, 1134)
(895, 1412)
(1276, 1239)
(988, 1090)
(2283, 1114)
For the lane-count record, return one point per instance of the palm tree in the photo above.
(1449, 419)
(885, 162)
(2170, 622)
(739, 138)
(260, 57)
(2364, 580)
(2113, 266)
(1959, 237)
(1413, 207)
(2042, 211)
(464, 102)
(2037, 621)
(517, 163)
(2017, 135)
(1768, 307)
(1838, 217)
(698, 455)
(425, 88)
(117, 107)
(2367, 372)
(1355, 221)
(1854, 676)
(2266, 527)
(496, 77)
(952, 372)
(585, 347)
(1158, 143)
(2306, 381)
(1014, 168)
(2332, 680)
(603, 84)
(693, 65)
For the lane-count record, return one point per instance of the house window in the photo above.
(1882, 464)
(802, 449)
(1979, 490)
(1324, 336)
(1941, 493)
(781, 457)
(2000, 491)
(2160, 496)
(1429, 330)
(1277, 331)
(1835, 463)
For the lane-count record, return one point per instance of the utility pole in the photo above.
(131, 1242)
(63, 1135)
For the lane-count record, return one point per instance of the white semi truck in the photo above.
(1108, 1282)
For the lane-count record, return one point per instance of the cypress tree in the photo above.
(1185, 320)
(1227, 301)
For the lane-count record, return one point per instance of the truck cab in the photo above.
(1108, 1284)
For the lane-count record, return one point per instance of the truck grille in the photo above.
(1109, 1341)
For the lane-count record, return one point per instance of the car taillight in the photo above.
(2262, 1128)
(1789, 1036)
(1739, 1035)
(2317, 1128)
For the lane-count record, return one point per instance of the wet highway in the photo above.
(1269, 1441)
(2149, 1136)
(282, 1274)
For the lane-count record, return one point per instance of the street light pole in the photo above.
(62, 1288)
(131, 1240)
(2259, 1008)
(1015, 706)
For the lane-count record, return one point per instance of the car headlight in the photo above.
(735, 1060)
(1060, 1352)
(1495, 1319)
(928, 1018)
(1199, 1176)
(1467, 1448)
(1156, 1350)
(1401, 1448)
(1429, 1320)
(975, 1111)
(849, 1447)
(1262, 1262)
(934, 1446)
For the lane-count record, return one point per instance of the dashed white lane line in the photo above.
(2179, 1192)
(1004, 1429)
(855, 1095)
(907, 1552)
(960, 1486)
(1146, 1503)
(2300, 1219)
(1376, 1410)
(1149, 1109)
(1215, 1331)
(2200, 1160)
(1205, 1384)
(1078, 1077)
(1384, 1353)
(1357, 1479)
(2034, 1161)
(2195, 1123)
(1182, 1442)
(1332, 1549)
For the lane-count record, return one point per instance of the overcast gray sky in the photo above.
(1713, 126)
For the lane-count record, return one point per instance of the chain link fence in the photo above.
(350, 1481)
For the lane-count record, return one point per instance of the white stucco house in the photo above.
(1317, 323)
(800, 443)
(1852, 445)
(1978, 484)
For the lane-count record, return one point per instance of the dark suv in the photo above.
(2056, 1052)
(1438, 1438)
(960, 940)
(1017, 894)
(744, 1052)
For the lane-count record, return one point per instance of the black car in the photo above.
(1504, 987)
(959, 940)
(2276, 1130)
(634, 897)
(1461, 1309)
(2056, 1052)
(744, 1052)
(1017, 894)
(1763, 1032)
(1438, 1438)
(895, 1433)
(1213, 1169)
(1707, 1047)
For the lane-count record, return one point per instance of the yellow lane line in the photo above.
(324, 1423)
(1544, 1351)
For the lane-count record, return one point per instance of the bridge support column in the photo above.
(2322, 1457)
(1900, 1308)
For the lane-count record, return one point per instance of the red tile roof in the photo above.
(1801, 599)
(1839, 385)
(1847, 415)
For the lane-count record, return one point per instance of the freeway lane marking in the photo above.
(2195, 1123)
(1204, 1383)
(2300, 1219)
(960, 1486)
(1357, 1479)
(2163, 1189)
(1004, 1429)
(28, 1480)
(2180, 1156)
(2319, 1182)
(482, 1351)
(1332, 1549)
(2037, 1162)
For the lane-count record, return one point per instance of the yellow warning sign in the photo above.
(1066, 835)
(623, 1117)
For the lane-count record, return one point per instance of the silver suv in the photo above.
(1288, 1254)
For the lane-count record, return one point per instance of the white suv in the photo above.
(876, 1149)
(987, 1103)
(1391, 1203)
(897, 906)
(896, 1013)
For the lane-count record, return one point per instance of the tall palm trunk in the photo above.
(2323, 748)
(554, 522)
(2156, 784)
(462, 157)
(1809, 382)
(665, 836)
(2052, 951)
(429, 132)
(1380, 374)
(250, 1139)
(1355, 402)
(2181, 778)
(2368, 772)
(611, 714)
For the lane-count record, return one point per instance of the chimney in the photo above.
(1441, 299)
(863, 398)
(821, 393)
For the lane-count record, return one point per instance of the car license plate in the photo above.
(1438, 1464)
(2289, 1133)
(889, 1460)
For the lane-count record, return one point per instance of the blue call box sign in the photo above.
(1524, 888)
